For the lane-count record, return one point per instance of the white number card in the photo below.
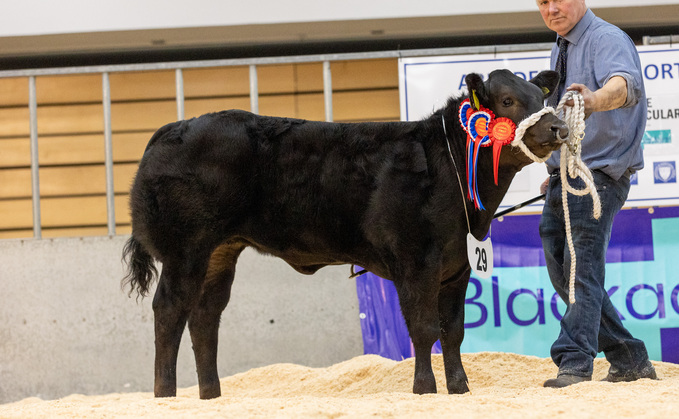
(480, 256)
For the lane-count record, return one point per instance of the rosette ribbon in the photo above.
(483, 130)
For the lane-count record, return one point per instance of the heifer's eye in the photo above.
(507, 102)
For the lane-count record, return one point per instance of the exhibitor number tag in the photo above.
(480, 255)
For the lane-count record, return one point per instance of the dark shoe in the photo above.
(617, 376)
(565, 380)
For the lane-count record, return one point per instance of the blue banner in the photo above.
(517, 309)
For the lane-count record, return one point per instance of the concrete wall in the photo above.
(67, 327)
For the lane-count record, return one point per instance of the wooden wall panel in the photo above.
(357, 106)
(66, 181)
(365, 74)
(14, 122)
(145, 116)
(16, 214)
(14, 91)
(70, 119)
(15, 152)
(143, 85)
(71, 138)
(210, 82)
(79, 88)
(198, 107)
(72, 150)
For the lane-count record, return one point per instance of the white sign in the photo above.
(427, 82)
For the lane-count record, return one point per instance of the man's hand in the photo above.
(543, 187)
(611, 96)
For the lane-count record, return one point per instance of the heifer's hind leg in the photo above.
(451, 312)
(175, 295)
(418, 297)
(204, 318)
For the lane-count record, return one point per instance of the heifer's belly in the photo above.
(308, 263)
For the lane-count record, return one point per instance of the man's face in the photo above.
(561, 15)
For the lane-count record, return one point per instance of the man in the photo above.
(601, 62)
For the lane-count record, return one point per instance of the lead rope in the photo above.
(571, 164)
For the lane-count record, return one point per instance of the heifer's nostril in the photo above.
(561, 131)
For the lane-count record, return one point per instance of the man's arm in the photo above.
(612, 95)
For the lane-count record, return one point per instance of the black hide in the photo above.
(383, 196)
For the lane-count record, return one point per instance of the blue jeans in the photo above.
(591, 325)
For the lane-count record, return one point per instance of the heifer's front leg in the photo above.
(204, 325)
(451, 312)
(171, 305)
(418, 305)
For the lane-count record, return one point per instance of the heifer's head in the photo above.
(510, 96)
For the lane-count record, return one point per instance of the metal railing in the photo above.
(179, 67)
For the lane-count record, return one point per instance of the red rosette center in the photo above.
(501, 130)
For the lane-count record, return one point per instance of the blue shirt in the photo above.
(598, 51)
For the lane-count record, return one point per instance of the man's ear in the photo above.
(547, 81)
(477, 90)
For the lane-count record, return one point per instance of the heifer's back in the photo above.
(297, 189)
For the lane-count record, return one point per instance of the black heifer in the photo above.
(383, 196)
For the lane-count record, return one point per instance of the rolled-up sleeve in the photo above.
(634, 91)
(615, 56)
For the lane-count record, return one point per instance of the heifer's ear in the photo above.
(477, 90)
(547, 81)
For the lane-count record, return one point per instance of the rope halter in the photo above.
(571, 165)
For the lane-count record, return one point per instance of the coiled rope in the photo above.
(571, 164)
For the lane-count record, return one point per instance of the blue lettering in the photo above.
(555, 309)
(667, 70)
(496, 301)
(612, 291)
(533, 73)
(644, 309)
(655, 69)
(472, 301)
(675, 303)
(660, 308)
(462, 81)
(520, 74)
(540, 303)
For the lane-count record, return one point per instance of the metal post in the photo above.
(327, 90)
(179, 76)
(35, 166)
(254, 89)
(108, 156)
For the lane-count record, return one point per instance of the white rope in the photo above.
(521, 130)
(571, 164)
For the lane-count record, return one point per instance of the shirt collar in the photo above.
(579, 29)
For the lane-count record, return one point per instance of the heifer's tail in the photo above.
(141, 271)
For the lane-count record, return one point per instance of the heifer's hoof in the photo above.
(424, 386)
(210, 393)
(459, 387)
(165, 392)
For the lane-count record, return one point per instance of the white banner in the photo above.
(427, 82)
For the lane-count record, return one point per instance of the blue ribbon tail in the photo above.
(477, 199)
